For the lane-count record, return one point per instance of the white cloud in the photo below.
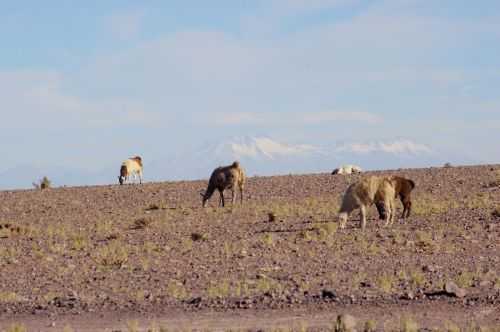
(37, 99)
(371, 69)
(290, 118)
(395, 147)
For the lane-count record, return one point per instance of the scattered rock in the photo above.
(328, 294)
(271, 217)
(409, 296)
(430, 268)
(194, 301)
(452, 289)
(485, 283)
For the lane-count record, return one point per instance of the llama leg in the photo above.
(140, 177)
(233, 197)
(241, 195)
(388, 215)
(343, 219)
(405, 209)
(362, 223)
(221, 202)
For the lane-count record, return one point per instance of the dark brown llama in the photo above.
(225, 177)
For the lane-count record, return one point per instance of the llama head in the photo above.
(382, 211)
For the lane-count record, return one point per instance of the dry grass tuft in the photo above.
(199, 237)
(141, 223)
(42, 184)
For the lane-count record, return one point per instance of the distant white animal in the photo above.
(370, 190)
(131, 166)
(347, 169)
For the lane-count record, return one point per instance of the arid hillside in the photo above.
(152, 249)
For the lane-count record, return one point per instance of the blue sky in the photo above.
(81, 81)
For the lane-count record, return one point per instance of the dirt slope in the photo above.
(152, 250)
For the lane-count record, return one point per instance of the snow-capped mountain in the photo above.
(266, 156)
(260, 155)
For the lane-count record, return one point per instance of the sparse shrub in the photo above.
(79, 242)
(133, 326)
(141, 223)
(449, 326)
(152, 207)
(267, 285)
(112, 255)
(465, 279)
(154, 327)
(307, 235)
(268, 239)
(67, 328)
(426, 204)
(370, 326)
(187, 244)
(219, 290)
(176, 290)
(329, 228)
(496, 212)
(8, 297)
(417, 279)
(199, 236)
(408, 325)
(496, 285)
(447, 165)
(42, 184)
(479, 201)
(386, 283)
(424, 239)
(345, 323)
(16, 328)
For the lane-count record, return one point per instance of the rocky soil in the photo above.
(101, 254)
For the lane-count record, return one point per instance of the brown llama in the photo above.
(403, 188)
(225, 177)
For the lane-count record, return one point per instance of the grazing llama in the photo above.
(225, 177)
(403, 188)
(362, 194)
(347, 169)
(131, 166)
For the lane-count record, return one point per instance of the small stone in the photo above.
(452, 288)
(409, 296)
(430, 268)
(328, 294)
(485, 283)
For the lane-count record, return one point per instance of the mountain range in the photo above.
(260, 155)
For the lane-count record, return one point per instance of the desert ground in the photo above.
(150, 258)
